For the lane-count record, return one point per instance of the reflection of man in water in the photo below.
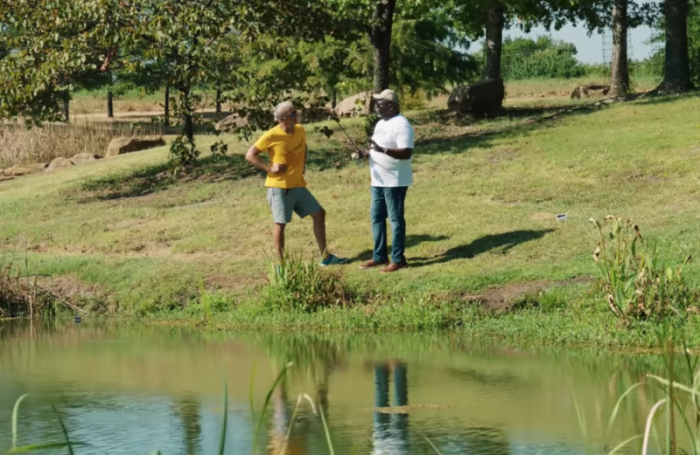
(187, 408)
(281, 420)
(390, 430)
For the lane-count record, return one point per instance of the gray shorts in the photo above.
(284, 202)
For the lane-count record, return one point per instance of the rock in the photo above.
(84, 158)
(122, 145)
(354, 105)
(231, 122)
(590, 90)
(483, 98)
(59, 163)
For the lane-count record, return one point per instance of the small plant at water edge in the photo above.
(299, 285)
(638, 285)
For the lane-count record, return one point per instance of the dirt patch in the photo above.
(90, 297)
(222, 281)
(502, 298)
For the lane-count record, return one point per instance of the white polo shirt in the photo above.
(395, 133)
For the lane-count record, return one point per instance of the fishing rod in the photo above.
(358, 155)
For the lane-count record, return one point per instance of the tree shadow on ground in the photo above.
(160, 177)
(485, 131)
(653, 98)
(211, 169)
(411, 241)
(503, 242)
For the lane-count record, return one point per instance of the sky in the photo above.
(590, 49)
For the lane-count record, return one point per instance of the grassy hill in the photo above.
(481, 214)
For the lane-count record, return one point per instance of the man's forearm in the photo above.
(257, 162)
(399, 154)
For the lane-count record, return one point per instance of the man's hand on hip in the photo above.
(278, 169)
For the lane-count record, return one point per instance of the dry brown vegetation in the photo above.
(21, 145)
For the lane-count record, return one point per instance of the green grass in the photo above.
(481, 214)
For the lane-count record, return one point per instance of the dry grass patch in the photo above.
(21, 145)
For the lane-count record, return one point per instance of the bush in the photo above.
(638, 285)
(524, 58)
(299, 285)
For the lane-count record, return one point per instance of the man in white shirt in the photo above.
(390, 157)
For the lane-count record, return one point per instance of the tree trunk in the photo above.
(380, 36)
(334, 98)
(166, 116)
(110, 104)
(218, 102)
(619, 71)
(494, 41)
(186, 106)
(66, 106)
(676, 65)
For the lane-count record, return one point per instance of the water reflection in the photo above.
(282, 441)
(188, 409)
(390, 435)
(163, 389)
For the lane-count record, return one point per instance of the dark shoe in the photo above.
(394, 266)
(371, 264)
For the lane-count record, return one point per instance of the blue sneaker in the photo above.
(332, 259)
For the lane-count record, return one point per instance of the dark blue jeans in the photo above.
(388, 202)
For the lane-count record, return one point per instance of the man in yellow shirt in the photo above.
(286, 187)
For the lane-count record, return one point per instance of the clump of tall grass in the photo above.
(23, 295)
(296, 284)
(22, 145)
(678, 404)
(637, 283)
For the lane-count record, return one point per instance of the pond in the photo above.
(134, 389)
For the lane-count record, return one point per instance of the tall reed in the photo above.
(21, 145)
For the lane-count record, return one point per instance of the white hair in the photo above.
(282, 108)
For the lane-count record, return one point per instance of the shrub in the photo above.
(638, 285)
(299, 285)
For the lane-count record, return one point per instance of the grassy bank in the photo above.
(123, 234)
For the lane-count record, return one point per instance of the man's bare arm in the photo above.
(253, 157)
(399, 154)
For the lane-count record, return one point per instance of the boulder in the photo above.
(59, 163)
(122, 145)
(84, 158)
(590, 90)
(231, 122)
(354, 105)
(483, 98)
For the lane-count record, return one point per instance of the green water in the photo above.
(133, 389)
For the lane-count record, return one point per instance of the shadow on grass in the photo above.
(411, 241)
(153, 179)
(503, 242)
(653, 98)
(507, 125)
(210, 169)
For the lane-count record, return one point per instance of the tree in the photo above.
(380, 36)
(495, 20)
(619, 71)
(49, 49)
(90, 36)
(676, 61)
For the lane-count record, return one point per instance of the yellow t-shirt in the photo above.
(289, 149)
